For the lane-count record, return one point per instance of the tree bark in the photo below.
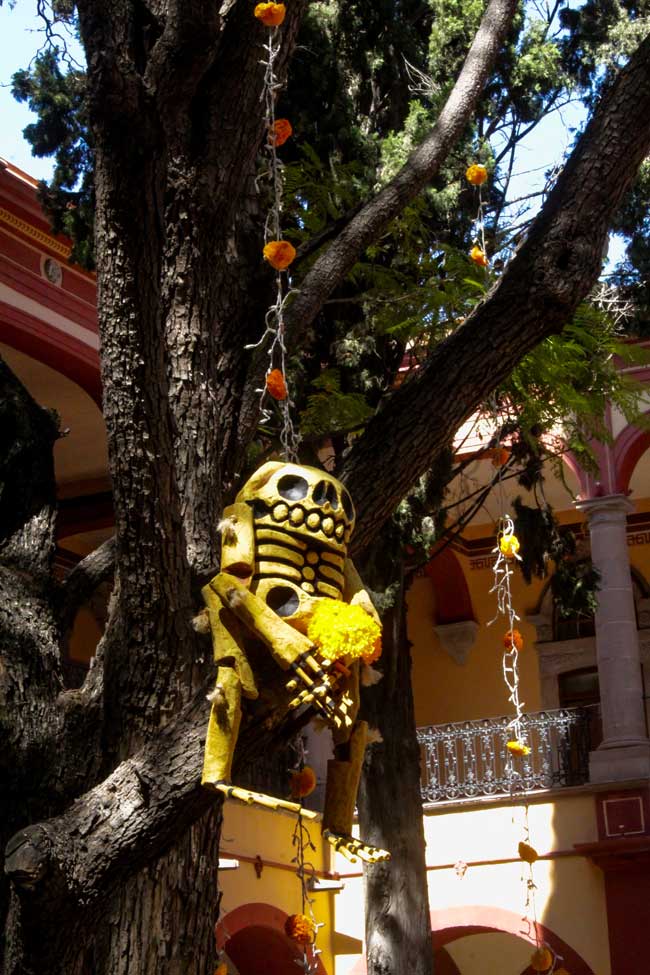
(398, 926)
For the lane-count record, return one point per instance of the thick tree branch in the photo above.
(422, 167)
(551, 273)
(97, 567)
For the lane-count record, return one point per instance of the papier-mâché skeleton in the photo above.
(284, 545)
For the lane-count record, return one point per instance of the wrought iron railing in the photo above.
(470, 758)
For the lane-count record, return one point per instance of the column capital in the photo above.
(609, 507)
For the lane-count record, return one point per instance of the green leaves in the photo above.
(331, 411)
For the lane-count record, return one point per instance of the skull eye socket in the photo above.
(320, 493)
(325, 492)
(282, 600)
(292, 487)
(348, 507)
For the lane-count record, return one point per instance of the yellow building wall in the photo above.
(250, 831)
(445, 691)
(569, 894)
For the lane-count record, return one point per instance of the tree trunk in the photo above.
(398, 928)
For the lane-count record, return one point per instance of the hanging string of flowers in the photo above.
(279, 253)
(302, 928)
(477, 175)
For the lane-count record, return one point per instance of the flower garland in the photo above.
(477, 175)
(277, 252)
(303, 928)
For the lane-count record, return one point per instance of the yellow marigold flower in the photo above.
(338, 629)
(271, 14)
(478, 256)
(222, 969)
(276, 385)
(509, 546)
(513, 638)
(518, 748)
(303, 782)
(300, 929)
(279, 254)
(528, 853)
(280, 132)
(541, 960)
(476, 174)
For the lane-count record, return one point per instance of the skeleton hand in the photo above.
(318, 691)
(351, 848)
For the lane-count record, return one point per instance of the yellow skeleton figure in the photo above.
(283, 550)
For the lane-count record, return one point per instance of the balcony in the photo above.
(469, 759)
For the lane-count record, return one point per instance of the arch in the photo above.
(66, 354)
(453, 601)
(451, 923)
(254, 933)
(629, 447)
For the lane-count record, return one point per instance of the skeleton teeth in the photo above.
(313, 521)
(280, 512)
(328, 525)
(297, 516)
(340, 528)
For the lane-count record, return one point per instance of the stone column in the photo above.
(625, 751)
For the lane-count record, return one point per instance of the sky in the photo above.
(21, 36)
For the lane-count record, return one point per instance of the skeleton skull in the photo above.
(303, 520)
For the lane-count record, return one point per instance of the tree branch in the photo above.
(551, 273)
(95, 568)
(423, 165)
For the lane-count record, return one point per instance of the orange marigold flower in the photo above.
(369, 658)
(280, 132)
(222, 969)
(509, 546)
(560, 971)
(303, 782)
(518, 748)
(541, 960)
(279, 254)
(478, 256)
(513, 638)
(271, 14)
(300, 929)
(528, 853)
(476, 174)
(276, 385)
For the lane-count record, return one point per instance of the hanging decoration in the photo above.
(279, 253)
(477, 175)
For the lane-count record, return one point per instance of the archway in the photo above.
(452, 923)
(253, 938)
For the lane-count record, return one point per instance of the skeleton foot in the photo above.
(352, 848)
(260, 799)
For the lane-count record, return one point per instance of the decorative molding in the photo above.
(11, 220)
(457, 639)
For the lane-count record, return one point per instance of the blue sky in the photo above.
(20, 38)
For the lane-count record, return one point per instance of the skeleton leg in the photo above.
(223, 728)
(343, 774)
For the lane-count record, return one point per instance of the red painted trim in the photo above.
(450, 924)
(453, 601)
(257, 917)
(626, 867)
(630, 446)
(30, 284)
(444, 964)
(28, 254)
(62, 352)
